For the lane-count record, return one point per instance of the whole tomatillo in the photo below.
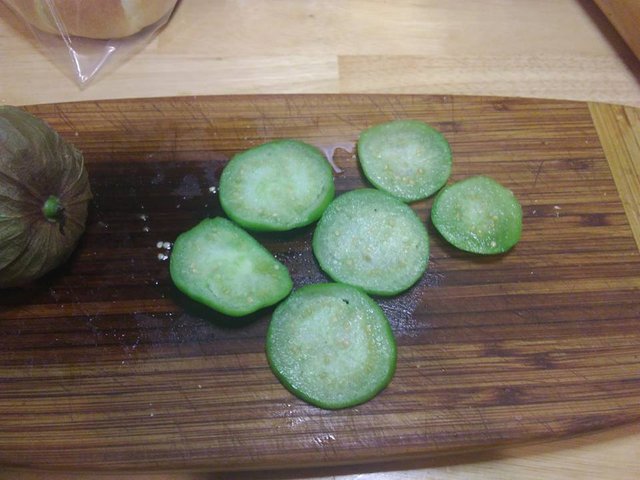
(44, 197)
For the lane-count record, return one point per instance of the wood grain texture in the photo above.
(588, 457)
(625, 16)
(105, 366)
(619, 131)
(564, 49)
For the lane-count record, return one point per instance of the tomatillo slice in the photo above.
(372, 240)
(277, 186)
(220, 265)
(406, 158)
(478, 215)
(331, 345)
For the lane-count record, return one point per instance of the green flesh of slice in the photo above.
(478, 215)
(406, 158)
(372, 240)
(220, 265)
(277, 186)
(331, 345)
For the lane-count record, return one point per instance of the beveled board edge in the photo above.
(618, 129)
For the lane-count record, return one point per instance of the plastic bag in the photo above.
(83, 37)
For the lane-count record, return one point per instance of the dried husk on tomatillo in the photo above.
(44, 197)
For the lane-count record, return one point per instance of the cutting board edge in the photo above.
(418, 459)
(618, 129)
(327, 94)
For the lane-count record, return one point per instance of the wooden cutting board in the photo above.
(104, 366)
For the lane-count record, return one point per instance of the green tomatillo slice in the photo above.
(406, 158)
(372, 240)
(478, 215)
(220, 265)
(277, 186)
(331, 345)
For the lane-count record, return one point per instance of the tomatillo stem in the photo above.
(52, 208)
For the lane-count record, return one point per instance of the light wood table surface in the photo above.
(563, 49)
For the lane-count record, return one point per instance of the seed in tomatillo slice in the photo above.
(331, 345)
(478, 215)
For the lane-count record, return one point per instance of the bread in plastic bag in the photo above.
(84, 36)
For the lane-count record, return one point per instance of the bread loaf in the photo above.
(102, 19)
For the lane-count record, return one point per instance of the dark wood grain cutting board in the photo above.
(103, 365)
